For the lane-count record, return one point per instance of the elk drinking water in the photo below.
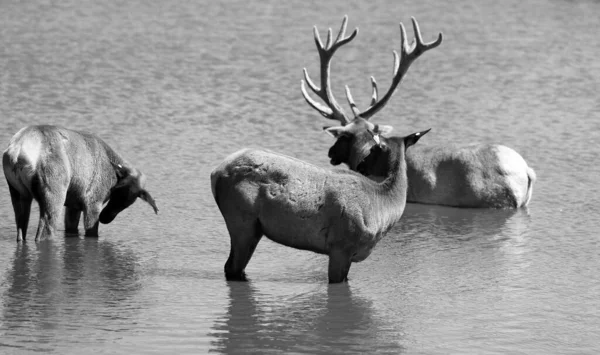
(335, 212)
(59, 167)
(460, 175)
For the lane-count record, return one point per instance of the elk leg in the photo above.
(339, 266)
(22, 207)
(50, 209)
(91, 217)
(72, 216)
(244, 239)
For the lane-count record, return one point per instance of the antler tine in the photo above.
(408, 54)
(353, 106)
(329, 37)
(322, 109)
(419, 38)
(342, 31)
(355, 109)
(375, 92)
(331, 109)
(420, 46)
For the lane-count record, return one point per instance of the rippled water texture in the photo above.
(175, 86)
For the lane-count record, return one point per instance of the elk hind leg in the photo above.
(72, 216)
(22, 208)
(339, 266)
(51, 202)
(244, 239)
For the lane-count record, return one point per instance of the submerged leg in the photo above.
(339, 266)
(22, 208)
(72, 217)
(50, 208)
(244, 239)
(90, 220)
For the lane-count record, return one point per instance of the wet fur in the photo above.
(328, 211)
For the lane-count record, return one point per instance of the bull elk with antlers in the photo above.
(336, 212)
(476, 175)
(59, 167)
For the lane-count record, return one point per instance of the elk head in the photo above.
(383, 150)
(130, 185)
(353, 141)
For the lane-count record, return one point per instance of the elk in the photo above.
(459, 175)
(336, 212)
(60, 167)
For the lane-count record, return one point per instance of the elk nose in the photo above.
(107, 216)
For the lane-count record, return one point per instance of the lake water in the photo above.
(176, 86)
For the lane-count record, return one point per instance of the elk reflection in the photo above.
(99, 270)
(64, 283)
(441, 250)
(449, 225)
(34, 286)
(323, 320)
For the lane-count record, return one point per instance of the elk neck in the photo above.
(113, 157)
(395, 184)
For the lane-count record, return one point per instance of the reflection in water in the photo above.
(326, 320)
(450, 225)
(448, 252)
(175, 90)
(66, 285)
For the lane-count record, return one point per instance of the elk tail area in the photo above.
(531, 177)
(20, 160)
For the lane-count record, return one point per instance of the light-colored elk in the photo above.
(460, 175)
(59, 167)
(336, 212)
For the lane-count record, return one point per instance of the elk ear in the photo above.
(376, 137)
(121, 170)
(122, 173)
(414, 138)
(384, 130)
(145, 195)
(335, 132)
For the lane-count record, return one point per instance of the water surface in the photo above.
(177, 86)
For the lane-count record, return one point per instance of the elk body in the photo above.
(335, 212)
(477, 175)
(59, 167)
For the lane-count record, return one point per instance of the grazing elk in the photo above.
(59, 167)
(460, 175)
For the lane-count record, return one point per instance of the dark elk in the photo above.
(460, 175)
(336, 212)
(59, 167)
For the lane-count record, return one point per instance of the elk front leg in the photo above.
(339, 266)
(91, 218)
(72, 216)
(22, 208)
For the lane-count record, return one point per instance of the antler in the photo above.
(332, 110)
(408, 54)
